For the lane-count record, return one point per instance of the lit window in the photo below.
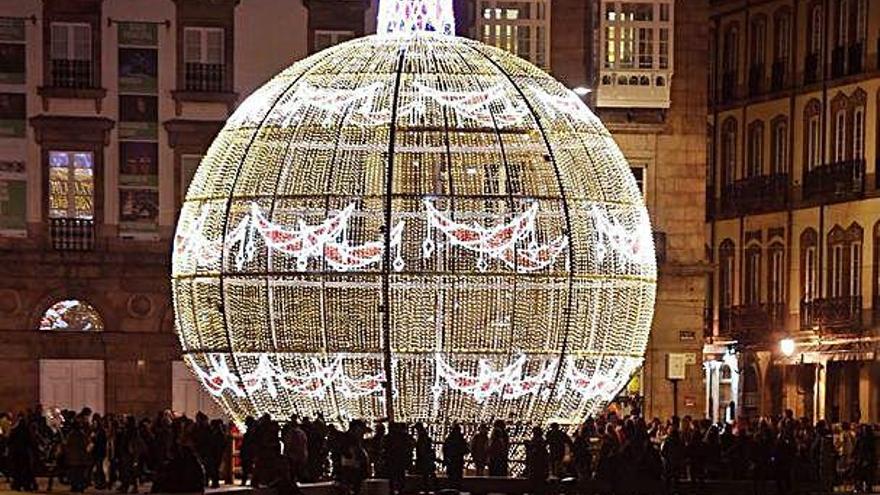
(521, 28)
(71, 184)
(72, 315)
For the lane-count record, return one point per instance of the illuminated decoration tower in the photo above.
(416, 226)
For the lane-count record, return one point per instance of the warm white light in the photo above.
(510, 273)
(582, 90)
(787, 347)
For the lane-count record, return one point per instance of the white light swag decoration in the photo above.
(414, 226)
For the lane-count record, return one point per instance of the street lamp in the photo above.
(787, 347)
(582, 91)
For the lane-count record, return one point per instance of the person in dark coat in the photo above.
(214, 453)
(76, 457)
(865, 456)
(558, 443)
(246, 454)
(354, 464)
(455, 448)
(480, 449)
(499, 449)
(22, 456)
(537, 460)
(99, 451)
(426, 466)
(183, 472)
(398, 454)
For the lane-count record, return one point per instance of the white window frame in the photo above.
(811, 287)
(859, 133)
(70, 41)
(203, 32)
(816, 27)
(783, 35)
(71, 186)
(755, 165)
(835, 285)
(777, 275)
(494, 27)
(780, 147)
(861, 22)
(726, 285)
(813, 142)
(759, 42)
(855, 269)
(840, 136)
(842, 23)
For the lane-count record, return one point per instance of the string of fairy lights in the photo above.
(520, 276)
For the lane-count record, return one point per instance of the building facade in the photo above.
(106, 107)
(792, 209)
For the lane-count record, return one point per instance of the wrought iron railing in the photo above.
(755, 194)
(73, 74)
(205, 77)
(835, 180)
(832, 314)
(72, 234)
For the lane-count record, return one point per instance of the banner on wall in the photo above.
(138, 34)
(13, 193)
(138, 117)
(12, 115)
(138, 209)
(138, 70)
(138, 164)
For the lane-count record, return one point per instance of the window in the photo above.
(776, 279)
(755, 162)
(782, 35)
(71, 41)
(809, 265)
(731, 42)
(842, 22)
(72, 315)
(813, 137)
(859, 133)
(728, 152)
(861, 20)
(12, 115)
(752, 276)
(71, 184)
(759, 37)
(12, 51)
(816, 28)
(204, 59)
(326, 39)
(845, 261)
(71, 55)
(727, 255)
(188, 166)
(638, 172)
(520, 27)
(779, 146)
(840, 135)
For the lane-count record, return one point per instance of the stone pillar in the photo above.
(819, 391)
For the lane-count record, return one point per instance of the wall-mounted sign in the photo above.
(687, 335)
(676, 366)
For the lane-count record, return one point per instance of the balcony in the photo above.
(209, 78)
(833, 314)
(634, 88)
(777, 77)
(838, 62)
(757, 194)
(728, 87)
(811, 68)
(856, 52)
(72, 74)
(72, 234)
(756, 80)
(751, 323)
(835, 181)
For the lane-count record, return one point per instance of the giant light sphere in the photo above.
(417, 226)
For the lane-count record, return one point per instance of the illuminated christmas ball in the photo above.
(419, 226)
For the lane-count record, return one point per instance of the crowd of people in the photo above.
(177, 454)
